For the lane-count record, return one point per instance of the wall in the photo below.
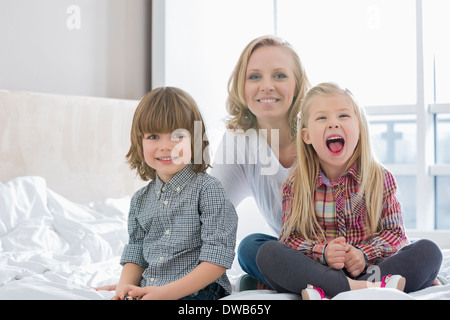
(78, 47)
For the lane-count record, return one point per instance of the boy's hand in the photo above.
(335, 252)
(150, 293)
(121, 292)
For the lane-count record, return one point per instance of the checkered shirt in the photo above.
(174, 226)
(341, 213)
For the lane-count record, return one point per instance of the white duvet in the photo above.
(52, 248)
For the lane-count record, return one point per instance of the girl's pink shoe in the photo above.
(393, 281)
(312, 293)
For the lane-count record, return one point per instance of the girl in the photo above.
(265, 91)
(182, 228)
(341, 214)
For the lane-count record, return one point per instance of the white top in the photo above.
(247, 166)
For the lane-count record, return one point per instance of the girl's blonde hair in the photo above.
(240, 115)
(303, 220)
(164, 110)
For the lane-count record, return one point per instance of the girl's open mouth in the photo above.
(335, 143)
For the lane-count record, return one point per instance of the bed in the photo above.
(64, 197)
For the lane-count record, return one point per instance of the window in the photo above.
(391, 54)
(443, 138)
(203, 41)
(437, 50)
(443, 202)
(367, 46)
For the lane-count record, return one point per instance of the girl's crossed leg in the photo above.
(291, 271)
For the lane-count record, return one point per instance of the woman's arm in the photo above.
(229, 170)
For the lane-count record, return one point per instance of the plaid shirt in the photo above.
(174, 226)
(341, 213)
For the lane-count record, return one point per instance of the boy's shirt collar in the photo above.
(177, 182)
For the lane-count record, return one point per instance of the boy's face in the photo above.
(167, 153)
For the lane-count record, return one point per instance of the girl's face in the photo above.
(167, 153)
(333, 130)
(270, 84)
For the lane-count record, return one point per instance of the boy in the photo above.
(182, 228)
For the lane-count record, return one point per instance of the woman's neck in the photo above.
(279, 139)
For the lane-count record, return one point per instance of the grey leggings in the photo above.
(288, 270)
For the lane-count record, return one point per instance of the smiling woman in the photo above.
(269, 85)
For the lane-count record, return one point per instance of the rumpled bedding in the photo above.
(52, 248)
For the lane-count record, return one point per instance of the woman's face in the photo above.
(270, 84)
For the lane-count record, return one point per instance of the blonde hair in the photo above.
(303, 220)
(240, 115)
(164, 110)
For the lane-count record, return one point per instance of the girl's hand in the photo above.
(355, 262)
(335, 252)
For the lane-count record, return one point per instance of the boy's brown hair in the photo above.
(164, 110)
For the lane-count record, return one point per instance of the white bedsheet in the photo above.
(52, 248)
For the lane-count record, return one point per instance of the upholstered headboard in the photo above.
(78, 144)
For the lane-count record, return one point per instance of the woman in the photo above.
(256, 153)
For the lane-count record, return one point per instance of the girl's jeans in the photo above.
(287, 270)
